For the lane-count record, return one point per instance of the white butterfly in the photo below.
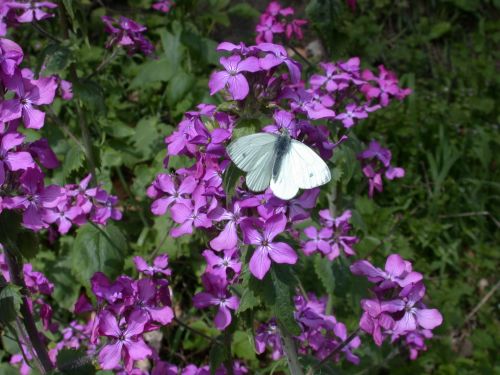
(278, 161)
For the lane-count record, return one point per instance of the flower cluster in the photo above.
(22, 185)
(256, 78)
(166, 368)
(396, 309)
(376, 162)
(332, 237)
(321, 333)
(128, 308)
(278, 20)
(14, 12)
(163, 6)
(128, 34)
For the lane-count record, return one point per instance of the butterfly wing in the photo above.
(254, 154)
(246, 151)
(301, 168)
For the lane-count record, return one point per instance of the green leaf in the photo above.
(90, 93)
(324, 270)
(10, 303)
(74, 362)
(28, 244)
(178, 87)
(73, 160)
(10, 224)
(230, 181)
(217, 356)
(7, 369)
(243, 346)
(244, 10)
(439, 30)
(284, 283)
(248, 301)
(160, 70)
(56, 58)
(97, 250)
(146, 135)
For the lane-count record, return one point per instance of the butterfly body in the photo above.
(279, 162)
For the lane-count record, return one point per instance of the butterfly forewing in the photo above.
(247, 151)
(313, 169)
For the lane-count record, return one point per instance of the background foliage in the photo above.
(443, 215)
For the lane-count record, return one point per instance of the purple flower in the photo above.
(387, 86)
(318, 240)
(283, 120)
(276, 55)
(261, 234)
(415, 313)
(125, 342)
(376, 161)
(29, 94)
(266, 29)
(41, 150)
(332, 80)
(351, 112)
(217, 295)
(160, 266)
(397, 271)
(166, 193)
(146, 300)
(376, 151)
(228, 237)
(63, 215)
(127, 33)
(229, 260)
(9, 158)
(162, 6)
(189, 215)
(11, 56)
(232, 77)
(35, 199)
(267, 335)
(32, 10)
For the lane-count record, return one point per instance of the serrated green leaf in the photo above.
(74, 362)
(324, 270)
(243, 346)
(93, 251)
(73, 160)
(90, 93)
(284, 288)
(146, 136)
(248, 301)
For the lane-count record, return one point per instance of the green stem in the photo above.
(124, 184)
(290, 353)
(194, 330)
(15, 270)
(228, 362)
(103, 64)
